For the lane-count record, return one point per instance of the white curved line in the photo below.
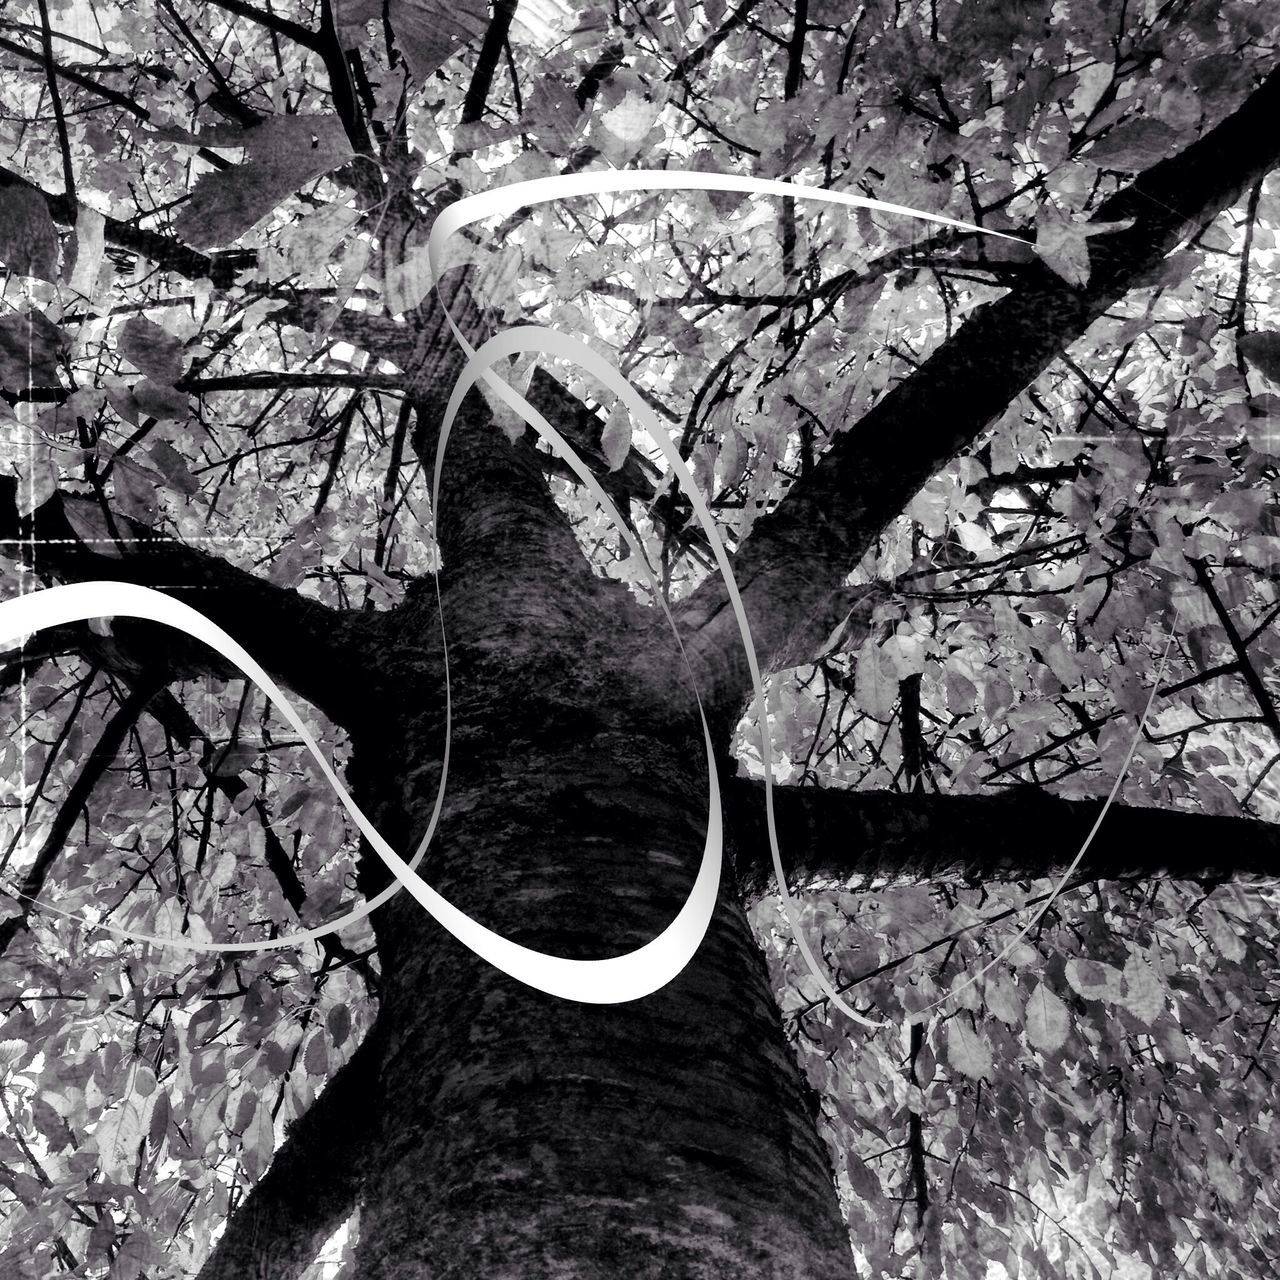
(611, 981)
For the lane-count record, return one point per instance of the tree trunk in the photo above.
(525, 1135)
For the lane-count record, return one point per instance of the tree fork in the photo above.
(520, 1133)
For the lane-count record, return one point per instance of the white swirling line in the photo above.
(648, 968)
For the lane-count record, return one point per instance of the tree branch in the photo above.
(305, 643)
(121, 100)
(294, 31)
(827, 834)
(313, 1183)
(51, 76)
(799, 554)
(1248, 672)
(99, 760)
(915, 1130)
(495, 38)
(218, 268)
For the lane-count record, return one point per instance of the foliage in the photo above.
(209, 327)
(1062, 1111)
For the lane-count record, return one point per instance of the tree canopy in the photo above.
(999, 492)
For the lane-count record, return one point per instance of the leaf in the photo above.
(1215, 796)
(406, 284)
(173, 466)
(1144, 994)
(863, 1180)
(967, 1051)
(159, 1126)
(284, 153)
(37, 469)
(258, 1141)
(631, 120)
(1173, 1044)
(121, 1130)
(1133, 146)
(28, 238)
(1062, 245)
(338, 1021)
(315, 1057)
(135, 488)
(103, 1235)
(430, 32)
(1226, 942)
(615, 439)
(1092, 980)
(234, 757)
(906, 653)
(1002, 998)
(207, 1112)
(1262, 350)
(1062, 242)
(704, 160)
(309, 243)
(350, 16)
(155, 400)
(152, 350)
(875, 682)
(89, 524)
(29, 347)
(1047, 1020)
(1263, 435)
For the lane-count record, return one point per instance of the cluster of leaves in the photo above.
(144, 1086)
(1099, 1093)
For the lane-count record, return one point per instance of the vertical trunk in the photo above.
(526, 1136)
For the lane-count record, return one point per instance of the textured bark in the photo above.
(520, 1134)
(799, 554)
(312, 1186)
(523, 1135)
(831, 835)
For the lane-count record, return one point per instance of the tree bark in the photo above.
(521, 1134)
(834, 835)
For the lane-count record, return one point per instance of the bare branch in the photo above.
(106, 749)
(827, 834)
(294, 31)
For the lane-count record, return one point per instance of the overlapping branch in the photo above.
(99, 760)
(799, 554)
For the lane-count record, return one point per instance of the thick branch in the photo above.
(307, 645)
(495, 38)
(828, 834)
(799, 554)
(312, 1185)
